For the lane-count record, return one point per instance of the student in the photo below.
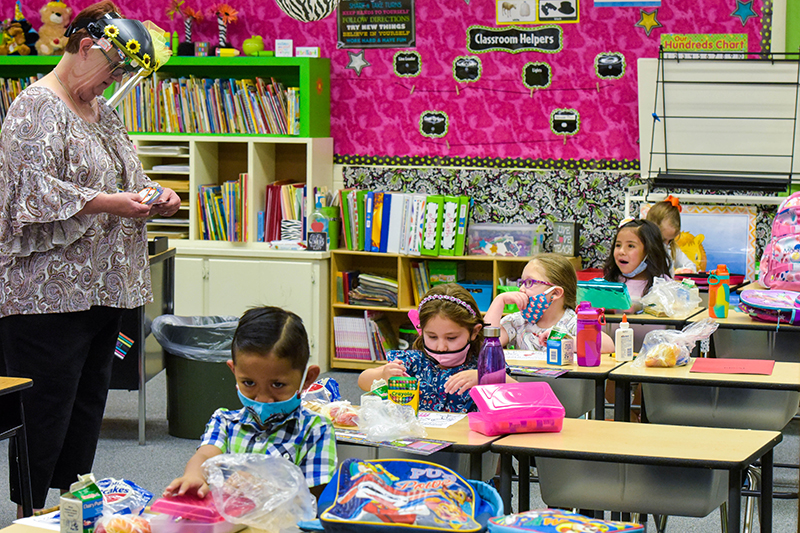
(445, 354)
(551, 280)
(667, 216)
(637, 258)
(270, 361)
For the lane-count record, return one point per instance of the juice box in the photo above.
(81, 507)
(560, 348)
(404, 391)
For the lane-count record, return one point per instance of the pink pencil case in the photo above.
(516, 408)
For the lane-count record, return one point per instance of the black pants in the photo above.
(69, 356)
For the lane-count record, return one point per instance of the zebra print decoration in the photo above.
(223, 31)
(307, 10)
(187, 29)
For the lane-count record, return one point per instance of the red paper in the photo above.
(733, 366)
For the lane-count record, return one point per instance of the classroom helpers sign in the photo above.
(547, 39)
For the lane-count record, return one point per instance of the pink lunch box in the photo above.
(516, 408)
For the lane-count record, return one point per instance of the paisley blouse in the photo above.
(52, 163)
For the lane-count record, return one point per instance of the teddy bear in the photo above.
(55, 19)
(13, 41)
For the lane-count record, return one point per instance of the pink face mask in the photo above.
(449, 359)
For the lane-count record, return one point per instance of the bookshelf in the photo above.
(478, 267)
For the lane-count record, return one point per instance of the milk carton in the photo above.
(82, 506)
(560, 348)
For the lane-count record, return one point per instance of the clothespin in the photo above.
(532, 89)
(565, 140)
(412, 90)
(447, 143)
(598, 87)
(457, 93)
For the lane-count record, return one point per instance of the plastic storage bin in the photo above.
(510, 240)
(481, 291)
(515, 408)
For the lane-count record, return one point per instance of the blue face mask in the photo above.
(267, 413)
(636, 271)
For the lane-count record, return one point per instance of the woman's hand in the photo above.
(123, 204)
(168, 204)
(461, 382)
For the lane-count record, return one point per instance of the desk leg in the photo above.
(476, 466)
(23, 466)
(600, 399)
(524, 489)
(142, 376)
(735, 500)
(622, 401)
(506, 468)
(766, 492)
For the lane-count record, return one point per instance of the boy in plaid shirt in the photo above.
(270, 361)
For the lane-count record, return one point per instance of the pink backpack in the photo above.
(780, 264)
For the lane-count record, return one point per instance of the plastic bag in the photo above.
(199, 338)
(260, 491)
(122, 524)
(670, 347)
(383, 420)
(121, 496)
(668, 297)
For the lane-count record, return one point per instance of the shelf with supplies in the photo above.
(475, 268)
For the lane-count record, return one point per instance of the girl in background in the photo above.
(667, 216)
(445, 354)
(638, 257)
(551, 280)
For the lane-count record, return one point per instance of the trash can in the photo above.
(198, 380)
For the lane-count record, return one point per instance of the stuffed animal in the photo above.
(13, 41)
(55, 19)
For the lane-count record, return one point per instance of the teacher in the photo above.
(73, 240)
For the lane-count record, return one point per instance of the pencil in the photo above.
(49, 510)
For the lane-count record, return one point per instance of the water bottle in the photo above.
(589, 340)
(491, 360)
(719, 292)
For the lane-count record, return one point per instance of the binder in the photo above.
(369, 204)
(361, 206)
(432, 229)
(447, 244)
(386, 219)
(397, 216)
(461, 230)
(377, 221)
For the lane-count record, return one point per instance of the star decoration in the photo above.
(357, 62)
(648, 21)
(744, 10)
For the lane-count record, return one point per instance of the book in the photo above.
(344, 213)
(377, 221)
(404, 225)
(394, 231)
(464, 203)
(368, 206)
(447, 245)
(361, 207)
(432, 225)
(384, 229)
(416, 219)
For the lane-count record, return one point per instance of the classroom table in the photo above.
(648, 444)
(463, 441)
(742, 321)
(12, 426)
(651, 320)
(598, 374)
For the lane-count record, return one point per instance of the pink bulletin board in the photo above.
(495, 120)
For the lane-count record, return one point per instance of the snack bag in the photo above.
(670, 347)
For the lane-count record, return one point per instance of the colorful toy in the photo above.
(253, 45)
(13, 40)
(55, 19)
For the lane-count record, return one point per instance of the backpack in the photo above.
(395, 495)
(771, 306)
(780, 263)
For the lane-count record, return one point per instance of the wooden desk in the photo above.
(649, 444)
(12, 426)
(752, 286)
(463, 441)
(739, 320)
(598, 374)
(146, 357)
(644, 318)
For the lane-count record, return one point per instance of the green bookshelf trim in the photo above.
(310, 74)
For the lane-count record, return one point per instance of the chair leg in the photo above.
(723, 517)
(661, 522)
(753, 482)
(635, 517)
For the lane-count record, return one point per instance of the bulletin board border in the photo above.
(487, 162)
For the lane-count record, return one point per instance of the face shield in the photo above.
(124, 53)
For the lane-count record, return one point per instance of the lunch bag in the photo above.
(388, 495)
(556, 521)
(780, 263)
(771, 306)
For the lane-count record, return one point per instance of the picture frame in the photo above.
(566, 238)
(317, 241)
